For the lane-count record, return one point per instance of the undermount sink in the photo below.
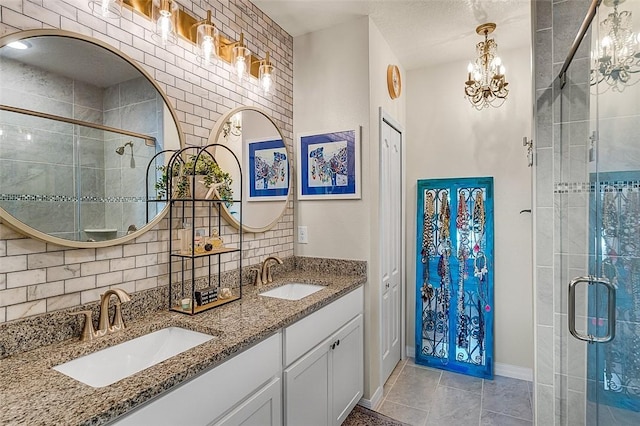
(293, 291)
(109, 365)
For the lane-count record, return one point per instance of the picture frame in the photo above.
(200, 234)
(329, 165)
(268, 167)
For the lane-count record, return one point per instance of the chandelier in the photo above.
(618, 56)
(486, 85)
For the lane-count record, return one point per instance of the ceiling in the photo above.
(421, 33)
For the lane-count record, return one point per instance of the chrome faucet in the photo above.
(263, 274)
(104, 326)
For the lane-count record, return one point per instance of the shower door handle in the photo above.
(611, 309)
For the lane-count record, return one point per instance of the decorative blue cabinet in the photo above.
(454, 275)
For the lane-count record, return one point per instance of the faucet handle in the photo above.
(88, 332)
(269, 276)
(118, 322)
(258, 280)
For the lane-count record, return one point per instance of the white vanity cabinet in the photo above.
(322, 355)
(248, 384)
(324, 382)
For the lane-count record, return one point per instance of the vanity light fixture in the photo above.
(171, 21)
(165, 14)
(486, 85)
(265, 74)
(111, 9)
(207, 41)
(241, 58)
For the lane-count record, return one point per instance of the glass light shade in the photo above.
(207, 42)
(111, 9)
(241, 59)
(165, 15)
(266, 75)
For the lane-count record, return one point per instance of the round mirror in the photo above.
(79, 124)
(258, 144)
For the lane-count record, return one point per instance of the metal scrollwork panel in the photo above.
(615, 226)
(454, 327)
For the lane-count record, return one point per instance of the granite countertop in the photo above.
(32, 393)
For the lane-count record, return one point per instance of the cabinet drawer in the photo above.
(302, 336)
(210, 395)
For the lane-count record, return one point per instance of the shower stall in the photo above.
(587, 215)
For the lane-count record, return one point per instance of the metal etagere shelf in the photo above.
(197, 280)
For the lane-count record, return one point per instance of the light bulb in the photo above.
(106, 8)
(208, 49)
(470, 67)
(164, 26)
(241, 66)
(502, 70)
(497, 61)
(266, 83)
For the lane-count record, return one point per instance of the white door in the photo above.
(391, 245)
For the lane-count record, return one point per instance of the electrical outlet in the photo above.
(303, 235)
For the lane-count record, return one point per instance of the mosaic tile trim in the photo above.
(69, 199)
(584, 187)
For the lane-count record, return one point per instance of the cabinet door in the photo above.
(307, 389)
(346, 369)
(264, 408)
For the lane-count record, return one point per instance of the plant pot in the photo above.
(198, 188)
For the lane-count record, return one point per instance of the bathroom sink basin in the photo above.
(109, 365)
(293, 291)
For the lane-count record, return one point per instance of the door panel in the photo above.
(391, 246)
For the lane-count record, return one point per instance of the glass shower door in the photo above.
(597, 189)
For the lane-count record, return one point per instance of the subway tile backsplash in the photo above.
(37, 277)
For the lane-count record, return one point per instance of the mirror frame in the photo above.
(213, 138)
(23, 228)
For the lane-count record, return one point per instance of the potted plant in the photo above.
(188, 176)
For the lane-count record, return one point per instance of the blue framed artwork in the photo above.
(329, 165)
(269, 170)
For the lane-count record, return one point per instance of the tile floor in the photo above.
(422, 396)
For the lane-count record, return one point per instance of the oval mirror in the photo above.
(79, 124)
(259, 145)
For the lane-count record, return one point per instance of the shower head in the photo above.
(120, 149)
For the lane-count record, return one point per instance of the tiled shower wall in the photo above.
(36, 277)
(132, 105)
(48, 147)
(562, 130)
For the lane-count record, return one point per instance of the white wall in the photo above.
(331, 92)
(448, 138)
(338, 86)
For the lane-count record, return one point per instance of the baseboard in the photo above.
(374, 401)
(513, 371)
(410, 352)
(500, 369)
